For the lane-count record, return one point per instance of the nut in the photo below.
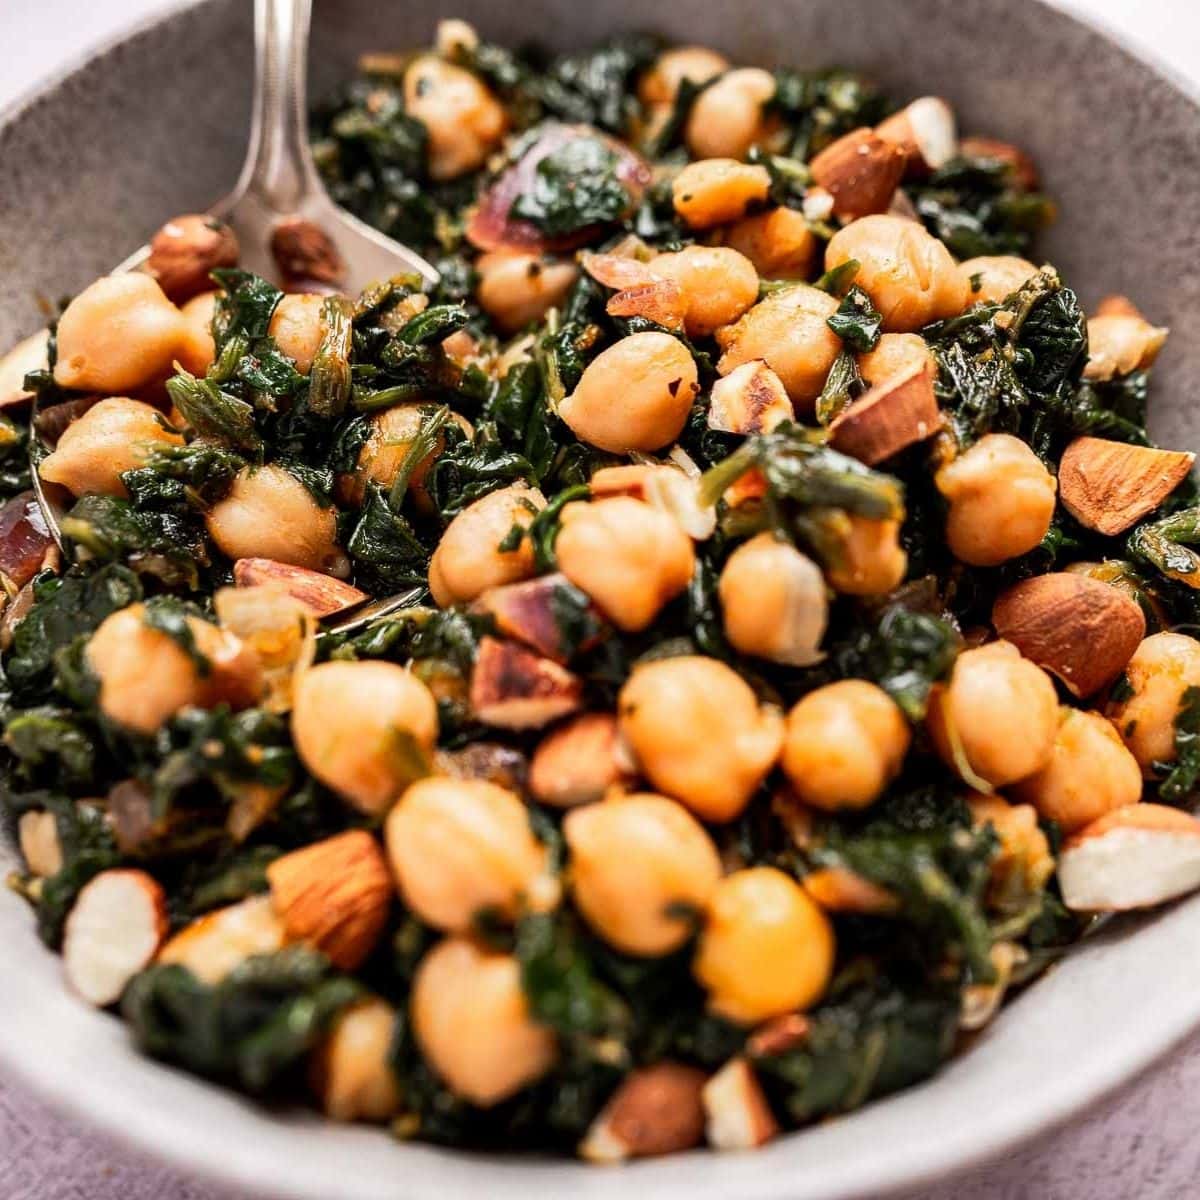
(671, 489)
(1109, 486)
(213, 945)
(1023, 172)
(514, 688)
(778, 1035)
(641, 291)
(321, 594)
(925, 131)
(37, 833)
(860, 171)
(527, 611)
(578, 762)
(750, 399)
(25, 356)
(655, 1110)
(186, 250)
(893, 415)
(1121, 340)
(304, 251)
(737, 1112)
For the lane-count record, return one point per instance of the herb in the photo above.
(175, 477)
(387, 553)
(842, 385)
(329, 378)
(1182, 773)
(857, 321)
(574, 187)
(1166, 544)
(214, 413)
(51, 747)
(245, 306)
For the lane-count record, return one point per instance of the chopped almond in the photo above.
(1117, 306)
(211, 946)
(925, 131)
(514, 688)
(893, 415)
(778, 1035)
(750, 399)
(656, 1110)
(1109, 486)
(577, 762)
(321, 594)
(738, 1115)
(26, 356)
(527, 611)
(1024, 173)
(37, 833)
(641, 291)
(861, 172)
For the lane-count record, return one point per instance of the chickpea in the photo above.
(715, 191)
(366, 729)
(870, 559)
(1162, 668)
(779, 243)
(351, 1072)
(1024, 862)
(699, 734)
(472, 1022)
(198, 350)
(577, 762)
(298, 327)
(211, 946)
(112, 437)
(118, 335)
(636, 395)
(660, 84)
(766, 950)
(638, 864)
(269, 513)
(718, 284)
(464, 121)
(1001, 500)
(1090, 772)
(727, 118)
(186, 250)
(468, 559)
(992, 278)
(1121, 340)
(516, 290)
(845, 743)
(627, 555)
(997, 716)
(894, 354)
(909, 275)
(146, 676)
(773, 602)
(461, 847)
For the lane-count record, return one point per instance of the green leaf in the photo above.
(214, 413)
(574, 187)
(857, 321)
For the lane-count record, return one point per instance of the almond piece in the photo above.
(1080, 629)
(860, 171)
(37, 834)
(893, 415)
(925, 130)
(25, 356)
(576, 763)
(671, 489)
(778, 1035)
(211, 946)
(1024, 173)
(526, 611)
(113, 931)
(1109, 486)
(1132, 857)
(738, 1116)
(655, 1110)
(514, 688)
(641, 291)
(334, 895)
(750, 399)
(321, 594)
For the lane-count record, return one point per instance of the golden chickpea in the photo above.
(773, 601)
(298, 327)
(766, 950)
(628, 556)
(365, 729)
(845, 743)
(638, 864)
(699, 734)
(118, 335)
(718, 284)
(112, 437)
(788, 331)
(1001, 500)
(269, 513)
(211, 946)
(468, 559)
(894, 354)
(351, 1072)
(517, 289)
(464, 121)
(909, 275)
(997, 715)
(1024, 862)
(779, 243)
(1121, 340)
(660, 84)
(577, 762)
(1090, 772)
(472, 1022)
(198, 350)
(636, 395)
(1162, 668)
(992, 278)
(727, 118)
(715, 191)
(461, 847)
(870, 560)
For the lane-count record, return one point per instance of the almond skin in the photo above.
(1079, 629)
(861, 172)
(893, 415)
(514, 688)
(526, 611)
(1109, 486)
(656, 1110)
(321, 594)
(737, 1112)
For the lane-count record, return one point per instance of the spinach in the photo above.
(857, 321)
(329, 379)
(215, 413)
(817, 107)
(594, 87)
(50, 746)
(843, 386)
(1182, 774)
(388, 556)
(245, 306)
(574, 187)
(176, 477)
(1166, 544)
(469, 468)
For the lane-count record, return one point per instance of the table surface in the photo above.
(1140, 1143)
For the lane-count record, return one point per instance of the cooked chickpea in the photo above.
(472, 1022)
(870, 560)
(1162, 668)
(699, 733)
(462, 847)
(112, 437)
(788, 331)
(468, 559)
(464, 121)
(727, 118)
(517, 289)
(365, 729)
(661, 83)
(269, 513)
(198, 350)
(997, 716)
(628, 556)
(766, 949)
(773, 601)
(1121, 340)
(894, 354)
(118, 335)
(718, 284)
(1090, 772)
(909, 275)
(352, 1074)
(992, 278)
(1024, 862)
(636, 395)
(639, 863)
(1001, 500)
(845, 743)
(715, 191)
(779, 243)
(298, 327)
(577, 762)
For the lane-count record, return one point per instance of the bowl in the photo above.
(154, 124)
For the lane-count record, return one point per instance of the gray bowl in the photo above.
(153, 125)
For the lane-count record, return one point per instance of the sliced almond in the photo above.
(1024, 173)
(527, 611)
(860, 171)
(656, 1110)
(1109, 486)
(26, 356)
(113, 931)
(750, 399)
(778, 1035)
(893, 415)
(738, 1116)
(669, 488)
(577, 762)
(213, 945)
(37, 834)
(321, 594)
(514, 688)
(925, 130)
(334, 895)
(1078, 628)
(1132, 857)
